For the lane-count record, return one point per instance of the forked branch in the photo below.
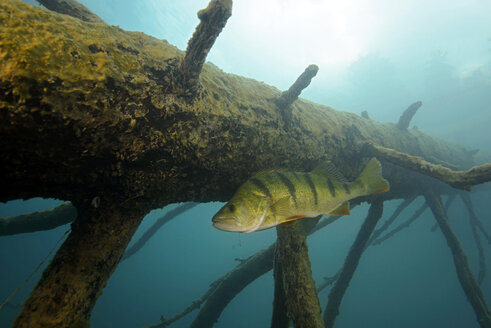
(457, 179)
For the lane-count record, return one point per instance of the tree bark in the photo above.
(298, 296)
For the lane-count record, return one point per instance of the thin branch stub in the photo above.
(408, 114)
(290, 95)
(212, 20)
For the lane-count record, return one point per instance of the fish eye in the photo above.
(231, 208)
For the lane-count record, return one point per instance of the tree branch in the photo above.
(71, 8)
(155, 227)
(407, 116)
(212, 20)
(289, 96)
(351, 263)
(38, 221)
(403, 225)
(466, 278)
(457, 179)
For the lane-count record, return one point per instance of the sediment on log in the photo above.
(299, 296)
(71, 284)
(351, 263)
(38, 221)
(466, 277)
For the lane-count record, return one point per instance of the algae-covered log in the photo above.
(105, 93)
(91, 114)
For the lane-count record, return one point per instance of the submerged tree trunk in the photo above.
(298, 295)
(70, 286)
(92, 114)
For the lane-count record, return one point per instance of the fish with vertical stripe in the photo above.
(274, 197)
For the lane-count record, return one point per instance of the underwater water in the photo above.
(379, 56)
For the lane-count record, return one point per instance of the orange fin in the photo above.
(293, 218)
(342, 209)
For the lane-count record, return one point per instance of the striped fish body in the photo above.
(269, 199)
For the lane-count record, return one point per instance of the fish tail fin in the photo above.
(372, 179)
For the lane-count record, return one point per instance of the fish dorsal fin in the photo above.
(328, 169)
(342, 209)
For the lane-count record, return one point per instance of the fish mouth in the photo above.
(227, 224)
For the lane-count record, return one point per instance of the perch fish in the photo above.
(271, 198)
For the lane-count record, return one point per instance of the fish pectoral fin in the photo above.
(342, 209)
(293, 218)
(282, 207)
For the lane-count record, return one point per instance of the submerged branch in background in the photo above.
(71, 8)
(466, 277)
(407, 115)
(403, 225)
(351, 263)
(457, 179)
(212, 20)
(405, 203)
(475, 224)
(155, 227)
(164, 322)
(38, 221)
(289, 96)
(328, 281)
(450, 199)
(232, 284)
(470, 207)
(299, 296)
